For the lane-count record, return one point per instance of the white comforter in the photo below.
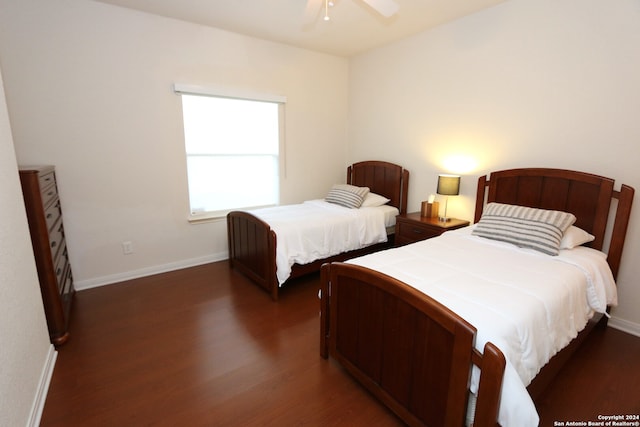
(528, 304)
(317, 229)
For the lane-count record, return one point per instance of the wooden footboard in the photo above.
(252, 249)
(408, 350)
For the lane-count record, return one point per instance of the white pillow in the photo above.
(575, 236)
(374, 200)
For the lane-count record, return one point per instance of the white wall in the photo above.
(26, 356)
(89, 89)
(546, 83)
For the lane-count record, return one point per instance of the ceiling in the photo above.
(354, 27)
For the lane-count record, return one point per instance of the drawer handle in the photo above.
(417, 231)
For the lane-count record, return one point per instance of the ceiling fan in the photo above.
(386, 8)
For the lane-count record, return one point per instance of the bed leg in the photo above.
(324, 310)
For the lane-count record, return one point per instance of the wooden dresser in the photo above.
(49, 247)
(412, 227)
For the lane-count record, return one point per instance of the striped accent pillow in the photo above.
(524, 227)
(347, 195)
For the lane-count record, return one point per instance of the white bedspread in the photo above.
(528, 304)
(317, 229)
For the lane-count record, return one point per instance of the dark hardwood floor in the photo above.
(205, 347)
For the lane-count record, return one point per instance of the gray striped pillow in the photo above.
(347, 195)
(538, 229)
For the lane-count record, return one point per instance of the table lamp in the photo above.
(448, 185)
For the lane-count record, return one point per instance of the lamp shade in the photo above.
(448, 185)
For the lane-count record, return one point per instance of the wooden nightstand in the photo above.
(412, 227)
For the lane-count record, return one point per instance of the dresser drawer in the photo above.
(416, 232)
(49, 194)
(51, 214)
(61, 265)
(46, 179)
(412, 227)
(56, 239)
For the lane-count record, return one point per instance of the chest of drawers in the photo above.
(42, 205)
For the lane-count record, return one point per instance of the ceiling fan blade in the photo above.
(386, 8)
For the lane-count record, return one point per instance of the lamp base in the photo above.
(443, 219)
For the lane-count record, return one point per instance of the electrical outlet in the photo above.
(127, 247)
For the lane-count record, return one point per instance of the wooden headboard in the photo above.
(589, 197)
(384, 178)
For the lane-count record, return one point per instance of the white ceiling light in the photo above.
(327, 3)
(386, 8)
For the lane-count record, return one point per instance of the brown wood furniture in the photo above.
(49, 247)
(388, 318)
(413, 227)
(252, 242)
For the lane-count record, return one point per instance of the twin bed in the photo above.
(397, 319)
(266, 244)
(470, 326)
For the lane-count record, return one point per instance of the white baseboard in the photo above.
(625, 326)
(148, 271)
(43, 388)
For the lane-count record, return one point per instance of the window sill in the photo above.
(205, 218)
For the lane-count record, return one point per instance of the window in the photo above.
(232, 147)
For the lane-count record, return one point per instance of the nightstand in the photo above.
(412, 227)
